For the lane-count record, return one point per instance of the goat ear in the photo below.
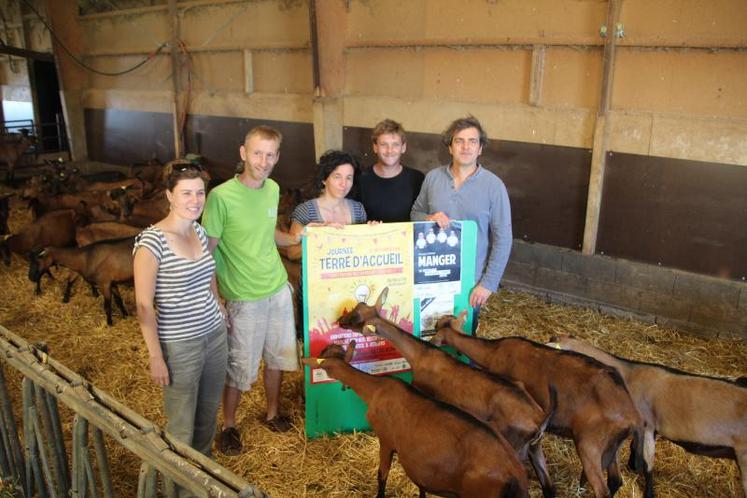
(309, 361)
(382, 299)
(350, 352)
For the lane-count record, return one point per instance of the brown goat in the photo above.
(105, 230)
(443, 450)
(143, 212)
(5, 212)
(12, 147)
(55, 228)
(151, 171)
(136, 185)
(499, 403)
(102, 264)
(96, 206)
(594, 407)
(704, 415)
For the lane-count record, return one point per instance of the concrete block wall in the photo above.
(686, 301)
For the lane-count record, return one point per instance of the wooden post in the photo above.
(601, 129)
(51, 451)
(102, 462)
(248, 72)
(54, 416)
(43, 456)
(328, 47)
(80, 455)
(538, 73)
(176, 80)
(63, 17)
(33, 471)
(15, 453)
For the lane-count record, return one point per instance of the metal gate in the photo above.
(38, 465)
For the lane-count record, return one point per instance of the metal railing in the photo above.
(50, 137)
(38, 466)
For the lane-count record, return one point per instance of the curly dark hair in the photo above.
(329, 161)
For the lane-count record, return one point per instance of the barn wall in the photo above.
(249, 63)
(530, 70)
(708, 306)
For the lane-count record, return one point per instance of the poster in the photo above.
(342, 267)
(345, 267)
(437, 259)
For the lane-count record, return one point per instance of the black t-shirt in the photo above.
(389, 199)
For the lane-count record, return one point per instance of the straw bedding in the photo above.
(287, 465)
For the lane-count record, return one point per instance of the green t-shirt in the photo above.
(247, 261)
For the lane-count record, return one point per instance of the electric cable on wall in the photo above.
(83, 64)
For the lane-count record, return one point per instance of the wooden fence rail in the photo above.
(38, 464)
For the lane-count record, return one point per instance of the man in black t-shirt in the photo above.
(388, 189)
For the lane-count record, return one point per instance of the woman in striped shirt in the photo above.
(180, 314)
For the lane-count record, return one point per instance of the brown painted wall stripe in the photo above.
(676, 213)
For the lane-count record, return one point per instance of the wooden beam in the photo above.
(601, 131)
(248, 72)
(314, 41)
(26, 54)
(73, 79)
(176, 80)
(538, 74)
(329, 43)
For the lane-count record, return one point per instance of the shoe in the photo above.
(278, 423)
(229, 441)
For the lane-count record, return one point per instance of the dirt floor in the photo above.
(288, 465)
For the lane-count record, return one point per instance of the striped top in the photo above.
(308, 212)
(186, 307)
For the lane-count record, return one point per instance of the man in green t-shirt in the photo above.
(240, 217)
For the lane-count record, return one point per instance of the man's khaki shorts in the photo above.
(260, 329)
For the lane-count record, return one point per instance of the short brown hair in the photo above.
(266, 132)
(387, 127)
(462, 124)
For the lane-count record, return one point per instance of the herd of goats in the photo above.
(459, 430)
(464, 429)
(83, 225)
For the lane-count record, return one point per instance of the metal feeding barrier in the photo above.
(38, 464)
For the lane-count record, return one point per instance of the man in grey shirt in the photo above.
(465, 190)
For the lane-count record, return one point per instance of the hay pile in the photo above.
(287, 465)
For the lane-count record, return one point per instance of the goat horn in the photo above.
(319, 361)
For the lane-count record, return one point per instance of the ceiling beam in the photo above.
(28, 54)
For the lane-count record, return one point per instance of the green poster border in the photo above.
(332, 408)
